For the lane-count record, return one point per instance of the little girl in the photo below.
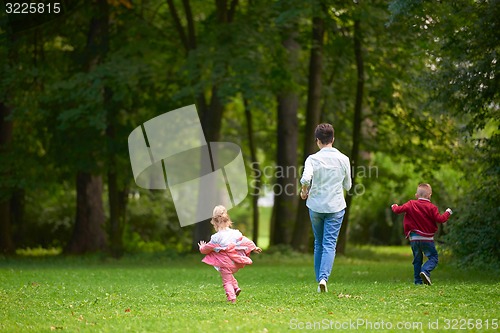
(228, 251)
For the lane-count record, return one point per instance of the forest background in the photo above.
(410, 86)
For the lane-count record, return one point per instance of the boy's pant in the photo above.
(229, 282)
(421, 248)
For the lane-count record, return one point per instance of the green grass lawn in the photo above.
(370, 289)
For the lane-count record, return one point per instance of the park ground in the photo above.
(371, 289)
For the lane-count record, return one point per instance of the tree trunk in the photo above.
(6, 127)
(117, 207)
(17, 208)
(88, 234)
(285, 199)
(210, 113)
(356, 133)
(302, 229)
(117, 195)
(257, 178)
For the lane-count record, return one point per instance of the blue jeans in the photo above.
(421, 248)
(326, 228)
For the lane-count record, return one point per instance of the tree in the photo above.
(6, 243)
(89, 233)
(210, 111)
(356, 132)
(257, 173)
(462, 41)
(285, 198)
(313, 116)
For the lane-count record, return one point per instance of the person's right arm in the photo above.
(399, 209)
(305, 181)
(347, 183)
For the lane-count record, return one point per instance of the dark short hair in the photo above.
(324, 132)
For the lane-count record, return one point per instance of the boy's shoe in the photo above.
(322, 288)
(237, 291)
(425, 279)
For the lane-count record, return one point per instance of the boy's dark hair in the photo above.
(324, 132)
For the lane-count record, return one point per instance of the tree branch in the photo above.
(178, 25)
(190, 25)
(232, 10)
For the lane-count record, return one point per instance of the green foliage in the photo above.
(153, 225)
(387, 181)
(135, 244)
(475, 232)
(39, 252)
(371, 220)
(432, 70)
(461, 41)
(48, 217)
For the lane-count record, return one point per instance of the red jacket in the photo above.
(421, 216)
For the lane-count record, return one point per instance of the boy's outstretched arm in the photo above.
(398, 209)
(442, 218)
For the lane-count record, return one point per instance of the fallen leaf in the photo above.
(127, 310)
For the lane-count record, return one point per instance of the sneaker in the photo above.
(237, 292)
(322, 286)
(425, 279)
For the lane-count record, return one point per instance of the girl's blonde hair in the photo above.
(220, 218)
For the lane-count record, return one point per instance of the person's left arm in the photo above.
(441, 218)
(249, 245)
(212, 246)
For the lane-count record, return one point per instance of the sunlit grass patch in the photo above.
(39, 251)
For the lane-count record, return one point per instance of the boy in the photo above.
(420, 225)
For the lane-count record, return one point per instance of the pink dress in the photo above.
(228, 248)
(228, 251)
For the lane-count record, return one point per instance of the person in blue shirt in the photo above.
(326, 174)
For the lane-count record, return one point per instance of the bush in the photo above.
(152, 224)
(474, 232)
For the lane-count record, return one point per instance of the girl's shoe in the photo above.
(237, 291)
